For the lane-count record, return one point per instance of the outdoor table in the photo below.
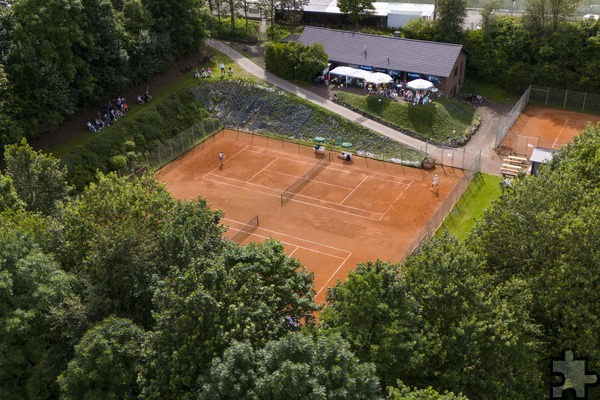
(346, 144)
(319, 139)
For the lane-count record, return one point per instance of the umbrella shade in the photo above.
(351, 72)
(419, 84)
(378, 78)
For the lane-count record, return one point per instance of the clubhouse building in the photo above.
(443, 64)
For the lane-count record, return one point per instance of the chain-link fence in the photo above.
(511, 117)
(565, 99)
(456, 157)
(446, 207)
(173, 148)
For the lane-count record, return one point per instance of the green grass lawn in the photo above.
(490, 92)
(444, 120)
(482, 191)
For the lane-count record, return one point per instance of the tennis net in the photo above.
(299, 184)
(246, 230)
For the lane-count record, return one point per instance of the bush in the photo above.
(240, 33)
(296, 60)
(118, 162)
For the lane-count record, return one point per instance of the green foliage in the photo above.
(34, 291)
(371, 309)
(544, 233)
(295, 366)
(403, 392)
(8, 195)
(157, 122)
(449, 18)
(42, 64)
(39, 179)
(295, 60)
(447, 121)
(245, 294)
(10, 132)
(244, 30)
(117, 162)
(356, 10)
(106, 363)
(180, 21)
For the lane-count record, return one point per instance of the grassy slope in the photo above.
(482, 191)
(444, 120)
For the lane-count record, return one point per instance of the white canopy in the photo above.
(419, 84)
(351, 72)
(378, 78)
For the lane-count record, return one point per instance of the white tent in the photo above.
(379, 78)
(419, 84)
(350, 72)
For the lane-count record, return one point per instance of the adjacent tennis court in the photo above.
(338, 212)
(544, 127)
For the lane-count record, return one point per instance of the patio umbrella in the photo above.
(379, 78)
(419, 84)
(350, 72)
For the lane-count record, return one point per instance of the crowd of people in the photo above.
(110, 112)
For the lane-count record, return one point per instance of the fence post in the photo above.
(516, 142)
(547, 94)
(463, 160)
(565, 103)
(584, 98)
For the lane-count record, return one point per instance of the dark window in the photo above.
(455, 71)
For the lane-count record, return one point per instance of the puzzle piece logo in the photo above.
(574, 376)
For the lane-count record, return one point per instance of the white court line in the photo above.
(391, 205)
(355, 169)
(292, 253)
(313, 180)
(559, 133)
(290, 236)
(209, 172)
(264, 169)
(300, 247)
(220, 180)
(332, 275)
(353, 190)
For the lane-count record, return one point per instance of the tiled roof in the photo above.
(431, 58)
(541, 154)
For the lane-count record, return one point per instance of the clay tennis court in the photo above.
(544, 127)
(349, 212)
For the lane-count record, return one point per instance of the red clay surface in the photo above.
(545, 127)
(350, 212)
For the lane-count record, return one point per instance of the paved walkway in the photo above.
(490, 162)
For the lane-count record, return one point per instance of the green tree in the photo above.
(546, 15)
(295, 366)
(10, 132)
(106, 363)
(117, 238)
(544, 233)
(403, 392)
(449, 18)
(46, 74)
(180, 21)
(295, 60)
(470, 325)
(247, 293)
(104, 49)
(8, 195)
(34, 292)
(372, 310)
(356, 10)
(39, 179)
(420, 29)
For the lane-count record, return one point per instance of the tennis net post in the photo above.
(246, 230)
(295, 187)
